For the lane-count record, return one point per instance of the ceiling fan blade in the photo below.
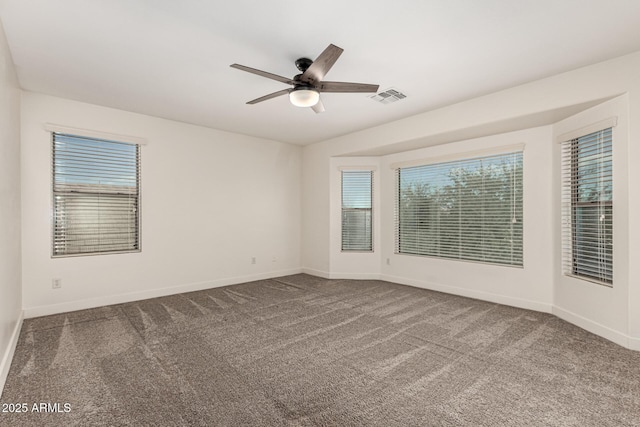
(346, 87)
(321, 65)
(319, 107)
(270, 96)
(262, 73)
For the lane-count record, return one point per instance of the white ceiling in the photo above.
(170, 58)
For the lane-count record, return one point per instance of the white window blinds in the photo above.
(468, 209)
(96, 196)
(587, 207)
(357, 210)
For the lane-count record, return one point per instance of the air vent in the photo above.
(388, 96)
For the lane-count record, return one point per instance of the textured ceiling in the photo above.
(171, 58)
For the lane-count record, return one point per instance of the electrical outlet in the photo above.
(388, 261)
(253, 260)
(56, 283)
(274, 259)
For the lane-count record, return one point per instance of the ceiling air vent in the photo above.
(388, 96)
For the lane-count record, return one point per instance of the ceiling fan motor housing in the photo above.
(298, 83)
(303, 63)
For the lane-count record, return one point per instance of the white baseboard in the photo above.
(318, 273)
(333, 275)
(7, 357)
(634, 343)
(485, 296)
(596, 328)
(617, 337)
(355, 276)
(589, 325)
(45, 310)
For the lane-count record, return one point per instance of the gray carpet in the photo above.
(300, 350)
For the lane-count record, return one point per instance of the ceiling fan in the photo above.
(308, 85)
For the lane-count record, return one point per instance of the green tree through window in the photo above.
(469, 209)
(591, 187)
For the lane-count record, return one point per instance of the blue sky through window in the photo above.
(89, 161)
(356, 189)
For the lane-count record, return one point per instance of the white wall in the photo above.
(357, 265)
(530, 286)
(315, 200)
(586, 303)
(10, 293)
(533, 108)
(633, 160)
(211, 201)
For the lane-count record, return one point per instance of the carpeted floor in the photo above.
(300, 350)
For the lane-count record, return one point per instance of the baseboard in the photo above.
(596, 328)
(7, 357)
(45, 310)
(619, 338)
(589, 325)
(332, 275)
(484, 296)
(355, 276)
(634, 343)
(318, 273)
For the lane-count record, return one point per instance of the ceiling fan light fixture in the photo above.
(304, 97)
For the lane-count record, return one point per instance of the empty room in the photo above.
(287, 213)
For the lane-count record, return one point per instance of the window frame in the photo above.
(371, 248)
(516, 152)
(102, 137)
(571, 261)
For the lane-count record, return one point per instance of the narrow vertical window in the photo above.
(588, 207)
(96, 196)
(357, 210)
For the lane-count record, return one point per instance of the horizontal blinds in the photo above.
(357, 210)
(587, 207)
(468, 209)
(96, 195)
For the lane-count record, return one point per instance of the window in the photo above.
(587, 196)
(96, 196)
(356, 210)
(468, 209)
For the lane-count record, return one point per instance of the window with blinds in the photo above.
(587, 207)
(96, 196)
(357, 210)
(468, 209)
